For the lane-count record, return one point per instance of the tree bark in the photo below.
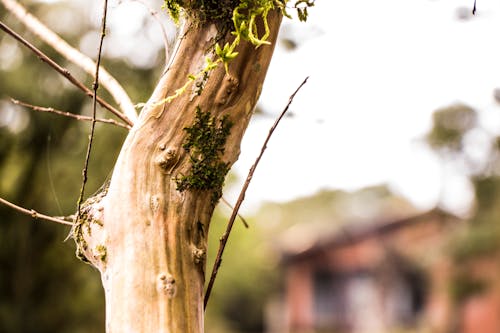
(147, 237)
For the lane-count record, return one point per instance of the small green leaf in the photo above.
(231, 56)
(218, 50)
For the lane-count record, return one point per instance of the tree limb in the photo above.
(73, 55)
(245, 223)
(34, 213)
(241, 197)
(95, 86)
(68, 114)
(64, 72)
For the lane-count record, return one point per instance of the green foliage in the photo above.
(245, 18)
(487, 190)
(244, 15)
(450, 125)
(199, 78)
(480, 244)
(464, 286)
(173, 8)
(301, 6)
(480, 241)
(202, 10)
(225, 54)
(205, 143)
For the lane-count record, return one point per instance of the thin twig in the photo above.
(64, 72)
(241, 197)
(69, 114)
(34, 214)
(76, 57)
(95, 86)
(232, 208)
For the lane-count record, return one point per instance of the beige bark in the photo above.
(150, 239)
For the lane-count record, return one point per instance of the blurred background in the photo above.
(373, 210)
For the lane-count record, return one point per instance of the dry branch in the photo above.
(64, 72)
(73, 55)
(69, 114)
(34, 213)
(227, 203)
(241, 197)
(95, 86)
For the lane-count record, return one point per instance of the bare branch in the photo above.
(241, 197)
(42, 56)
(69, 114)
(95, 86)
(73, 55)
(232, 208)
(34, 213)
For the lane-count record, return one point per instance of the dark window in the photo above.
(329, 301)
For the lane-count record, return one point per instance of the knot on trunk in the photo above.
(87, 221)
(166, 285)
(227, 90)
(167, 159)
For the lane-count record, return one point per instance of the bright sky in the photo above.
(378, 69)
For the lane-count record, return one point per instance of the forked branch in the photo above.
(69, 114)
(95, 86)
(64, 72)
(73, 55)
(34, 213)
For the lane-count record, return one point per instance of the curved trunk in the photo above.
(150, 238)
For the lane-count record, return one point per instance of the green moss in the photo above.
(173, 8)
(101, 253)
(205, 143)
(202, 10)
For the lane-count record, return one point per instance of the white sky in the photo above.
(378, 69)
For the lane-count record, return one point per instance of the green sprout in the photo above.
(244, 18)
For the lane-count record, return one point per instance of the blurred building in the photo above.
(391, 275)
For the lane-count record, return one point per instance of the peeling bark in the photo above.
(151, 245)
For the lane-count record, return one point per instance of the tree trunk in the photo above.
(148, 233)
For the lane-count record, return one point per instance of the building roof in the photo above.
(356, 233)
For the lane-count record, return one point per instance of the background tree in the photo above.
(464, 140)
(170, 171)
